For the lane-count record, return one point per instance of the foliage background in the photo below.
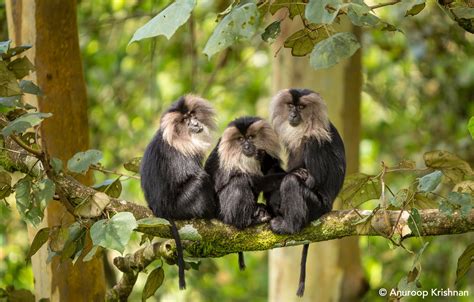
(418, 96)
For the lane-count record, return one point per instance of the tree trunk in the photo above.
(50, 26)
(334, 270)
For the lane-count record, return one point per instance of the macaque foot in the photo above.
(301, 173)
(261, 215)
(279, 226)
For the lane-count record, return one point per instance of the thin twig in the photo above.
(384, 4)
(97, 168)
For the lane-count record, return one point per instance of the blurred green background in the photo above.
(418, 96)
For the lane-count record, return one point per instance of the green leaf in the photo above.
(56, 164)
(430, 181)
(24, 122)
(295, 7)
(451, 165)
(271, 32)
(302, 42)
(29, 211)
(446, 208)
(111, 187)
(464, 262)
(415, 7)
(464, 12)
(11, 101)
(5, 184)
(151, 222)
(167, 21)
(8, 82)
(332, 50)
(470, 126)
(40, 238)
(81, 161)
(359, 14)
(400, 198)
(4, 46)
(30, 87)
(21, 67)
(114, 233)
(240, 23)
(94, 250)
(44, 192)
(133, 165)
(462, 201)
(153, 282)
(323, 11)
(359, 188)
(15, 51)
(414, 221)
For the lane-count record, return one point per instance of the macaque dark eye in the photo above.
(251, 137)
(241, 138)
(192, 113)
(301, 107)
(291, 106)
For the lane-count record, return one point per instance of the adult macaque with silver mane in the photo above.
(316, 163)
(247, 151)
(173, 180)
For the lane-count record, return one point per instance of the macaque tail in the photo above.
(304, 255)
(241, 261)
(179, 250)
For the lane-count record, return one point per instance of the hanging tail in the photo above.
(304, 255)
(241, 261)
(179, 250)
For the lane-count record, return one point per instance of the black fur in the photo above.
(315, 176)
(176, 186)
(237, 192)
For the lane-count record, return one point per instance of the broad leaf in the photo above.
(462, 201)
(414, 7)
(240, 23)
(114, 233)
(414, 222)
(29, 211)
(359, 14)
(8, 82)
(11, 101)
(332, 50)
(21, 67)
(464, 12)
(4, 46)
(295, 7)
(430, 181)
(153, 282)
(24, 122)
(151, 222)
(81, 161)
(91, 254)
(359, 188)
(15, 51)
(470, 126)
(451, 165)
(271, 32)
(40, 238)
(30, 87)
(302, 42)
(166, 22)
(111, 187)
(5, 184)
(133, 165)
(323, 11)
(56, 164)
(464, 262)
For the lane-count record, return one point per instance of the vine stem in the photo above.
(97, 168)
(384, 4)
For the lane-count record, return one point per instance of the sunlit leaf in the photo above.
(415, 7)
(240, 23)
(41, 238)
(111, 187)
(150, 222)
(81, 161)
(133, 165)
(323, 11)
(453, 167)
(430, 181)
(167, 21)
(153, 282)
(24, 122)
(470, 126)
(302, 42)
(114, 233)
(464, 262)
(332, 50)
(359, 188)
